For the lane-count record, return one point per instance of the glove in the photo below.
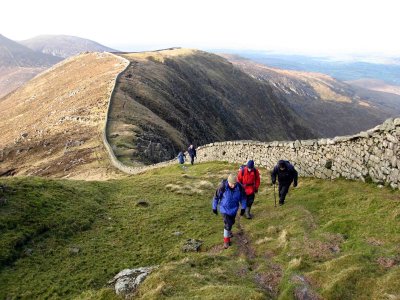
(242, 211)
(273, 182)
(256, 191)
(294, 184)
(215, 212)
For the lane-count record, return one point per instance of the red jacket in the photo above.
(249, 180)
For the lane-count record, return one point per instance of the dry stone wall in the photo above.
(369, 155)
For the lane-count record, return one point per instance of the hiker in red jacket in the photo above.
(249, 177)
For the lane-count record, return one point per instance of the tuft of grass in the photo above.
(65, 239)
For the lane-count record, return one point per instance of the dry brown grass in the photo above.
(61, 114)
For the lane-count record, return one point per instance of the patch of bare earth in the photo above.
(52, 126)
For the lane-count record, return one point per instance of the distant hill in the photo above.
(19, 64)
(330, 106)
(52, 126)
(63, 45)
(341, 69)
(168, 99)
(376, 85)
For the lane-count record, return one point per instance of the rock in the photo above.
(3, 201)
(28, 251)
(192, 245)
(24, 135)
(74, 250)
(178, 233)
(127, 281)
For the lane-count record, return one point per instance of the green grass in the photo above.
(44, 221)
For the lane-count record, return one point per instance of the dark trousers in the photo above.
(283, 190)
(191, 159)
(250, 200)
(228, 221)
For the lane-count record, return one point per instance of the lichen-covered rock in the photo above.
(127, 281)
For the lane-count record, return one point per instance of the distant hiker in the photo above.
(249, 177)
(286, 175)
(192, 153)
(228, 195)
(181, 157)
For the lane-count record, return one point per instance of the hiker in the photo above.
(192, 153)
(181, 157)
(249, 178)
(228, 195)
(286, 175)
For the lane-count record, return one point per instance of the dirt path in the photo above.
(267, 281)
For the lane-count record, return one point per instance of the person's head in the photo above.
(232, 179)
(191, 146)
(250, 164)
(282, 165)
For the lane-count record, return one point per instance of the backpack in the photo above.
(242, 167)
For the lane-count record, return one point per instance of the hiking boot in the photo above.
(230, 235)
(281, 203)
(247, 213)
(227, 243)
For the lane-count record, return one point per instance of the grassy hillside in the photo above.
(65, 239)
(167, 99)
(52, 126)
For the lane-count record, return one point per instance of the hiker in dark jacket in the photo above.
(286, 175)
(249, 178)
(181, 157)
(228, 195)
(192, 153)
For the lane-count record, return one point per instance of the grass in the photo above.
(65, 239)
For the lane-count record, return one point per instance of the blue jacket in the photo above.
(192, 152)
(181, 157)
(229, 199)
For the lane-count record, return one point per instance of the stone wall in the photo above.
(370, 155)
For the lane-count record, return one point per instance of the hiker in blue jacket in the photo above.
(286, 175)
(228, 195)
(192, 153)
(181, 157)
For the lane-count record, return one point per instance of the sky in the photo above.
(290, 26)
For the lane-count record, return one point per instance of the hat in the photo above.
(282, 164)
(250, 164)
(232, 179)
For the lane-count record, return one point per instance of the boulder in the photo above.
(192, 245)
(127, 281)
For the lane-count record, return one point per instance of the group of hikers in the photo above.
(242, 187)
(192, 153)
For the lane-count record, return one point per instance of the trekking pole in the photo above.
(274, 195)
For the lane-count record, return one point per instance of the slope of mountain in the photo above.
(342, 69)
(63, 45)
(333, 107)
(53, 124)
(18, 64)
(376, 85)
(167, 99)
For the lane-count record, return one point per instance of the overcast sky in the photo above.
(313, 26)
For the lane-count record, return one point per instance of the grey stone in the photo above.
(127, 281)
(192, 245)
(74, 250)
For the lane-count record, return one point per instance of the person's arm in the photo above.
(240, 177)
(273, 175)
(217, 197)
(257, 174)
(243, 202)
(295, 177)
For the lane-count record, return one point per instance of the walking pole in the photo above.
(274, 195)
